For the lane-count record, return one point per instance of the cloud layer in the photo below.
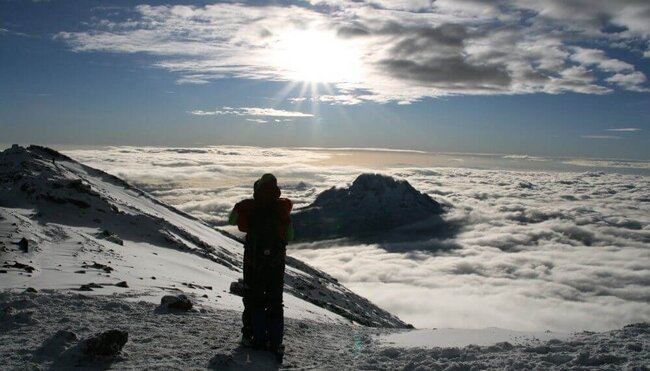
(536, 249)
(401, 51)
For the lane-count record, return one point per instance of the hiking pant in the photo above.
(247, 327)
(266, 311)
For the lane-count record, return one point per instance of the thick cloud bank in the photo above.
(536, 249)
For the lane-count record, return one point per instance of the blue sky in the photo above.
(553, 78)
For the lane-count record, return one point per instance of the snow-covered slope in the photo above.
(372, 205)
(31, 326)
(64, 225)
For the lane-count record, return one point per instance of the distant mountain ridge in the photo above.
(373, 203)
(70, 215)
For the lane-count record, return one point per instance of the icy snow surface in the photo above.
(207, 339)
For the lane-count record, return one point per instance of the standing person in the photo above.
(267, 224)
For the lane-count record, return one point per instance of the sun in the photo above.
(317, 57)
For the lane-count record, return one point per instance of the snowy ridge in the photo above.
(81, 226)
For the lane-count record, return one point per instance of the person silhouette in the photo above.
(267, 222)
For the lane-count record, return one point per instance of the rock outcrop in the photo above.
(373, 203)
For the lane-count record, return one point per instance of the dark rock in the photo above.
(30, 290)
(122, 284)
(3, 271)
(108, 343)
(80, 272)
(178, 302)
(303, 325)
(23, 244)
(112, 237)
(90, 287)
(17, 265)
(95, 265)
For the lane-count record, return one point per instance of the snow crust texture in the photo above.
(45, 330)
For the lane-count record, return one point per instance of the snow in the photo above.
(447, 337)
(36, 333)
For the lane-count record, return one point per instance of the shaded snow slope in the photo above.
(371, 205)
(64, 225)
(207, 339)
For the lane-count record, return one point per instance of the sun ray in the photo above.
(283, 93)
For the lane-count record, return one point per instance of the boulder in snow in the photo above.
(176, 302)
(108, 343)
(90, 287)
(23, 245)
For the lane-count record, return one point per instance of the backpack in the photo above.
(264, 226)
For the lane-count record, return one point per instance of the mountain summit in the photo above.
(373, 203)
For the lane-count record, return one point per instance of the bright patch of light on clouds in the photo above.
(252, 111)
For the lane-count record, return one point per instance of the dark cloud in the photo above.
(352, 31)
(451, 73)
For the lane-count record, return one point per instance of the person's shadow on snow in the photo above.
(244, 359)
(74, 358)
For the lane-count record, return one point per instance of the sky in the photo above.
(551, 78)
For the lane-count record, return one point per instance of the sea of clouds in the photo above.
(535, 250)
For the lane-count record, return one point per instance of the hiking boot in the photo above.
(278, 353)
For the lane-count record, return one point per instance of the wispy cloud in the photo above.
(6, 31)
(624, 129)
(601, 137)
(407, 50)
(252, 111)
(343, 99)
